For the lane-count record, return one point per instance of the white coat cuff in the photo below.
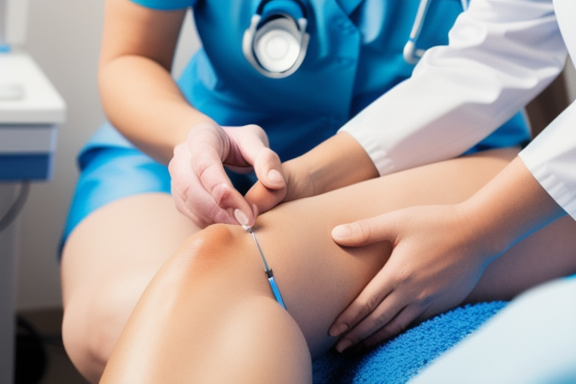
(551, 158)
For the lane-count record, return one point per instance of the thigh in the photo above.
(318, 278)
(107, 262)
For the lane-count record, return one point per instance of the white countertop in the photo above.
(26, 94)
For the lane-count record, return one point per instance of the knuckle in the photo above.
(380, 321)
(403, 276)
(203, 163)
(369, 304)
(271, 156)
(363, 229)
(425, 301)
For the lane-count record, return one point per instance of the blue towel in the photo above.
(403, 357)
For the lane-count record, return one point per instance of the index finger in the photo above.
(365, 232)
(207, 148)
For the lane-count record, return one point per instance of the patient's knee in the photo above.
(214, 248)
(219, 258)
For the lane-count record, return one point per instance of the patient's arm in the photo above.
(210, 316)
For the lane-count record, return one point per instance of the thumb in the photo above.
(268, 169)
(363, 232)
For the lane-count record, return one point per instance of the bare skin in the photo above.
(107, 262)
(216, 276)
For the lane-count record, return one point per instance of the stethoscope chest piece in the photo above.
(276, 41)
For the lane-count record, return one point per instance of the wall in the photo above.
(63, 37)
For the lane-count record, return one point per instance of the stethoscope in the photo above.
(412, 54)
(276, 41)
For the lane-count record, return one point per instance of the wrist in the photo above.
(510, 207)
(335, 163)
(488, 236)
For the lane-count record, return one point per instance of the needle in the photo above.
(267, 269)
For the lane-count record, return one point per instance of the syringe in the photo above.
(267, 270)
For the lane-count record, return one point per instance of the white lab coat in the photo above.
(501, 54)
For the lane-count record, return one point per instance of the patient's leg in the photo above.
(209, 314)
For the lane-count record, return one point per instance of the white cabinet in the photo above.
(30, 111)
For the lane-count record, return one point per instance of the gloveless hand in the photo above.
(435, 263)
(202, 190)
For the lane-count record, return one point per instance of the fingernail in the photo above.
(343, 345)
(241, 218)
(338, 329)
(275, 177)
(341, 232)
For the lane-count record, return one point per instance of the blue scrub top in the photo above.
(354, 56)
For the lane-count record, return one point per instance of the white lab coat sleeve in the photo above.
(500, 55)
(551, 158)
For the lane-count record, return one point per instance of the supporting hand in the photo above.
(202, 190)
(433, 267)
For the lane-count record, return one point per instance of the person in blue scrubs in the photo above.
(124, 225)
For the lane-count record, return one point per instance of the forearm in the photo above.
(509, 208)
(335, 163)
(143, 102)
(138, 93)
